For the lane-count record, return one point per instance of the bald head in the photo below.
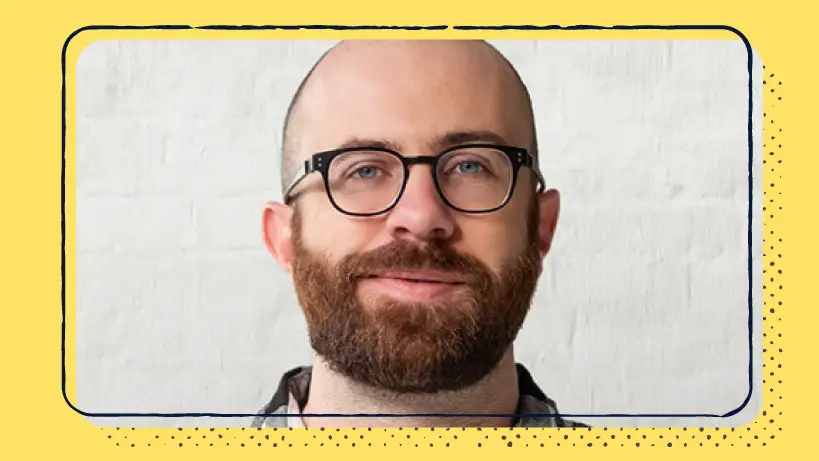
(423, 87)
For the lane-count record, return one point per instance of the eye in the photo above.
(469, 167)
(365, 172)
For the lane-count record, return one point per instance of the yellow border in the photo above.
(38, 420)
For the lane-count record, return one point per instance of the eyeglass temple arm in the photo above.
(541, 182)
(533, 165)
(308, 168)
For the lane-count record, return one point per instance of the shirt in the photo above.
(294, 388)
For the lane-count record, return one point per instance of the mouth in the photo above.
(415, 286)
(425, 276)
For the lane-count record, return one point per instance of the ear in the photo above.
(277, 234)
(549, 203)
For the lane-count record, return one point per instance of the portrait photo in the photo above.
(417, 233)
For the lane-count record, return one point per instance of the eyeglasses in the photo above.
(367, 181)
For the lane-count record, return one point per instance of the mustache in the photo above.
(402, 254)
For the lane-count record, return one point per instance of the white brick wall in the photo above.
(643, 304)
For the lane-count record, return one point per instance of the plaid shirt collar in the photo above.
(290, 398)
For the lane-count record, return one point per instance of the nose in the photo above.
(421, 214)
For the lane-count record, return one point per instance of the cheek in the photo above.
(337, 236)
(493, 241)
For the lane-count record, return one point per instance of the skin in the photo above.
(411, 95)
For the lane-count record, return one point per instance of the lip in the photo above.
(414, 286)
(425, 276)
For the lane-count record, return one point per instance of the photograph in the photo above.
(418, 233)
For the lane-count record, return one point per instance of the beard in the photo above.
(407, 347)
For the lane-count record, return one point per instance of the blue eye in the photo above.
(367, 172)
(470, 167)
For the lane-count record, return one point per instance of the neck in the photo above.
(332, 393)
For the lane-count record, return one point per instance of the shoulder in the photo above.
(535, 407)
(542, 412)
(288, 398)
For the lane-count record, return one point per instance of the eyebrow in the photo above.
(449, 139)
(455, 138)
(377, 143)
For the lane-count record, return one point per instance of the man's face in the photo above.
(422, 298)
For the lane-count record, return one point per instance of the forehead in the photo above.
(411, 94)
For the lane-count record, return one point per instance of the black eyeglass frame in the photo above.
(320, 162)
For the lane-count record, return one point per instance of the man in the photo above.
(414, 227)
